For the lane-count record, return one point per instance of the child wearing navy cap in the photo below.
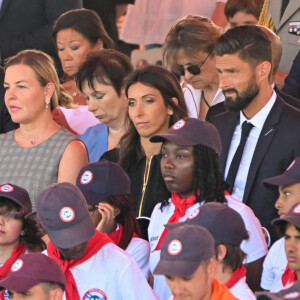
(17, 233)
(190, 169)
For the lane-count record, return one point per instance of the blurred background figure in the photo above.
(283, 18)
(39, 152)
(243, 12)
(100, 79)
(29, 26)
(75, 34)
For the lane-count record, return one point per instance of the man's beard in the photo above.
(242, 99)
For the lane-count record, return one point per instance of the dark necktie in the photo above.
(246, 127)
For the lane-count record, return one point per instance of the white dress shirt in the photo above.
(258, 122)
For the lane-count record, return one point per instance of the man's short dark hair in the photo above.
(250, 42)
(48, 286)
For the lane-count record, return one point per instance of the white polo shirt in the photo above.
(139, 249)
(255, 247)
(242, 291)
(111, 274)
(273, 268)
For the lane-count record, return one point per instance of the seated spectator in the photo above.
(76, 33)
(100, 79)
(6, 124)
(188, 49)
(19, 235)
(155, 102)
(288, 185)
(93, 265)
(35, 276)
(289, 225)
(243, 12)
(40, 152)
(229, 231)
(106, 188)
(188, 262)
(292, 81)
(190, 169)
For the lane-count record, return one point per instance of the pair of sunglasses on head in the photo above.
(193, 69)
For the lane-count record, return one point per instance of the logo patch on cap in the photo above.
(290, 165)
(18, 264)
(86, 177)
(174, 247)
(67, 214)
(7, 188)
(178, 125)
(296, 210)
(291, 295)
(194, 214)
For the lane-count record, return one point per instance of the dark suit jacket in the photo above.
(292, 81)
(27, 24)
(277, 146)
(219, 108)
(6, 124)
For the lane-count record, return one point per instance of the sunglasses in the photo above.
(193, 69)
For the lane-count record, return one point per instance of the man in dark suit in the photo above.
(243, 60)
(28, 24)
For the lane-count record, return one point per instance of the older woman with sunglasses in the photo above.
(188, 49)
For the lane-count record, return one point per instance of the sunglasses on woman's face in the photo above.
(193, 69)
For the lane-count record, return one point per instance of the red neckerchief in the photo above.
(94, 245)
(116, 235)
(236, 276)
(17, 252)
(181, 205)
(289, 276)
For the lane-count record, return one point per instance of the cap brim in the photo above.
(174, 138)
(266, 296)
(18, 283)
(72, 236)
(92, 198)
(276, 181)
(176, 268)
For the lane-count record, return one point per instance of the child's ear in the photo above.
(170, 109)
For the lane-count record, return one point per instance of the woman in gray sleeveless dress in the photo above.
(39, 152)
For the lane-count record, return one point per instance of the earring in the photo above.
(47, 101)
(22, 233)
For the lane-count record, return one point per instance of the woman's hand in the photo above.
(107, 223)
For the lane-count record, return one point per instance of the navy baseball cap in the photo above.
(293, 217)
(190, 132)
(224, 223)
(290, 176)
(183, 250)
(17, 194)
(291, 293)
(99, 180)
(62, 210)
(31, 269)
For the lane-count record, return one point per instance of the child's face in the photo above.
(177, 168)
(10, 228)
(242, 18)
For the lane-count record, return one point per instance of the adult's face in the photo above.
(147, 110)
(242, 18)
(196, 287)
(237, 80)
(72, 49)
(24, 96)
(292, 247)
(106, 105)
(289, 195)
(208, 74)
(74, 252)
(177, 168)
